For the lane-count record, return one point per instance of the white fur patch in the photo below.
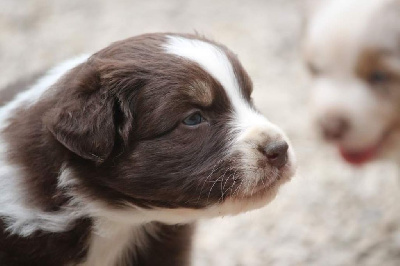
(118, 231)
(214, 60)
(209, 57)
(111, 241)
(20, 218)
(108, 219)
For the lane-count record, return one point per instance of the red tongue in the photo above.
(358, 158)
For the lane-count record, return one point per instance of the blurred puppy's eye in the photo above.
(193, 119)
(378, 77)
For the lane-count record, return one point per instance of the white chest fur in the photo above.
(111, 243)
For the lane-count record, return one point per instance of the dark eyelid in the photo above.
(378, 77)
(193, 119)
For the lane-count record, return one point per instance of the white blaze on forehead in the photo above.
(209, 57)
(214, 60)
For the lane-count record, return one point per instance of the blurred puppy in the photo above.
(110, 158)
(352, 49)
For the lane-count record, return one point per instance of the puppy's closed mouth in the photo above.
(266, 186)
(270, 182)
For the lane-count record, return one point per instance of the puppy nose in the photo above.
(276, 153)
(334, 128)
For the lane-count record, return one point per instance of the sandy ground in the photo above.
(329, 214)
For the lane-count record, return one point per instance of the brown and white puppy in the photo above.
(109, 159)
(352, 48)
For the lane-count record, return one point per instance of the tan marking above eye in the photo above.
(366, 63)
(201, 92)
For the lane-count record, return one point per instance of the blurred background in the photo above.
(329, 214)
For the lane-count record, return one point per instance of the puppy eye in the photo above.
(378, 77)
(193, 119)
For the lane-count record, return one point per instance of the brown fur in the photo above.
(115, 120)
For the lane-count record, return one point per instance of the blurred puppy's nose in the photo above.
(276, 153)
(334, 128)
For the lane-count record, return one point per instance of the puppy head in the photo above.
(166, 122)
(352, 49)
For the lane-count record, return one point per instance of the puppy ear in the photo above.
(83, 119)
